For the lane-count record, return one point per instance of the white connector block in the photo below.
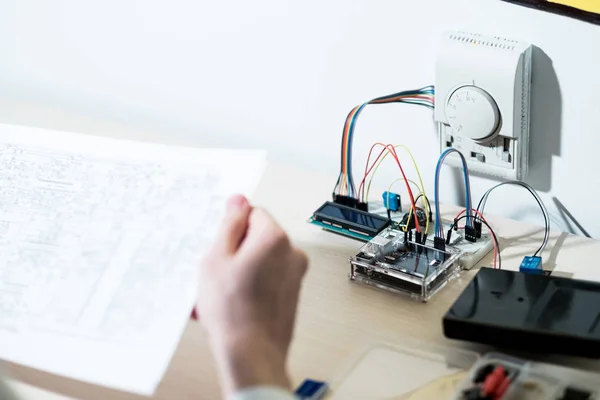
(482, 102)
(471, 252)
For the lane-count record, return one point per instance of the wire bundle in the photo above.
(484, 198)
(345, 183)
(388, 149)
(439, 229)
(479, 217)
(481, 206)
(363, 195)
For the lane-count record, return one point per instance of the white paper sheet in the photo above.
(99, 244)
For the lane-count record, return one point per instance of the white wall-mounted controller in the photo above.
(482, 97)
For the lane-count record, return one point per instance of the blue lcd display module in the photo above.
(349, 221)
(341, 231)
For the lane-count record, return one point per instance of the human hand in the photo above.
(248, 289)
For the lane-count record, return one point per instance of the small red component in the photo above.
(493, 380)
(501, 389)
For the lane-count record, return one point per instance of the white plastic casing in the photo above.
(482, 101)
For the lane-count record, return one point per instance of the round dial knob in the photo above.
(472, 112)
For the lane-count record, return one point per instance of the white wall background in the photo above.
(283, 75)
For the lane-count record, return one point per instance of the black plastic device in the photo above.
(536, 313)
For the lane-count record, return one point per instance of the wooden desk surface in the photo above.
(336, 315)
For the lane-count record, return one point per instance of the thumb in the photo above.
(235, 224)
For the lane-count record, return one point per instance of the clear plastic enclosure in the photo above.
(394, 262)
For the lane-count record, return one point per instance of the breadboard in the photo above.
(471, 253)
